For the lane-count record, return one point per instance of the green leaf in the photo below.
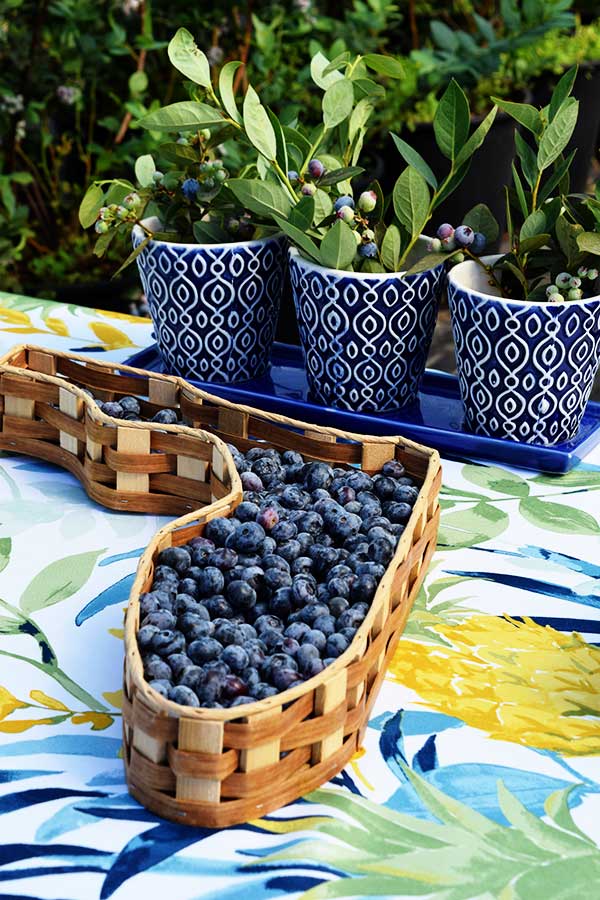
(494, 478)
(226, 77)
(188, 115)
(303, 213)
(338, 247)
(372, 266)
(91, 205)
(575, 478)
(429, 261)
(561, 167)
(282, 154)
(558, 133)
(529, 245)
(451, 121)
(58, 581)
(337, 175)
(414, 159)
(562, 91)
(258, 125)
(359, 118)
(528, 160)
(589, 242)
(568, 238)
(558, 517)
(556, 806)
(323, 205)
(301, 240)
(265, 198)
(534, 224)
(210, 233)
(138, 82)
(467, 527)
(384, 65)
(337, 62)
(411, 201)
(134, 253)
(481, 219)
(178, 154)
(523, 113)
(444, 36)
(391, 248)
(188, 59)
(518, 275)
(519, 191)
(337, 103)
(318, 64)
(5, 548)
(476, 139)
(452, 184)
(144, 169)
(103, 242)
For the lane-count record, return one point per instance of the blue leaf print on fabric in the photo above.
(533, 585)
(24, 799)
(10, 853)
(77, 814)
(131, 554)
(39, 871)
(426, 758)
(391, 745)
(66, 745)
(111, 596)
(416, 722)
(292, 883)
(7, 775)
(530, 551)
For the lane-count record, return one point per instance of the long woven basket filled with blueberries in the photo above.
(260, 625)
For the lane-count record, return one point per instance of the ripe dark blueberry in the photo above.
(151, 602)
(320, 494)
(304, 588)
(260, 452)
(306, 653)
(247, 559)
(340, 587)
(130, 405)
(233, 687)
(317, 475)
(371, 568)
(268, 546)
(305, 540)
(464, 235)
(268, 621)
(201, 541)
(274, 579)
(246, 511)
(478, 243)
(302, 565)
(224, 558)
(353, 507)
(284, 531)
(241, 594)
(218, 530)
(297, 630)
(253, 575)
(167, 575)
(210, 582)
(345, 494)
(292, 458)
(210, 687)
(370, 510)
(393, 469)
(339, 571)
(398, 512)
(285, 678)
(310, 612)
(316, 168)
(323, 507)
(163, 619)
(263, 690)
(178, 662)
(185, 696)
(324, 624)
(192, 677)
(204, 650)
(405, 493)
(360, 481)
(337, 605)
(188, 584)
(384, 487)
(274, 561)
(242, 701)
(270, 637)
(161, 686)
(310, 522)
(256, 652)
(236, 658)
(336, 645)
(316, 638)
(323, 594)
(268, 470)
(293, 473)
(217, 665)
(113, 409)
(199, 630)
(363, 588)
(289, 550)
(261, 608)
(324, 558)
(314, 667)
(146, 635)
(157, 668)
(344, 526)
(167, 641)
(350, 618)
(281, 603)
(251, 482)
(268, 517)
(381, 551)
(247, 537)
(379, 532)
(288, 645)
(250, 676)
(344, 200)
(227, 633)
(247, 631)
(348, 633)
(165, 417)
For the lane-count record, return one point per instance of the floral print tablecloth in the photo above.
(480, 772)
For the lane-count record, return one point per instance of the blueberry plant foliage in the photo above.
(292, 179)
(553, 236)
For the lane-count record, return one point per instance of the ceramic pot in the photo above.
(214, 306)
(526, 370)
(365, 337)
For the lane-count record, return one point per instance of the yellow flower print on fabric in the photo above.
(518, 681)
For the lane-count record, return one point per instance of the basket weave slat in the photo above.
(215, 767)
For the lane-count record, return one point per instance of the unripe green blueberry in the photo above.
(204, 167)
(346, 214)
(131, 200)
(582, 271)
(104, 213)
(458, 257)
(122, 212)
(434, 245)
(220, 176)
(208, 184)
(309, 189)
(369, 234)
(113, 209)
(562, 280)
(551, 290)
(575, 294)
(367, 201)
(574, 282)
(205, 134)
(449, 244)
(101, 227)
(157, 177)
(592, 274)
(357, 238)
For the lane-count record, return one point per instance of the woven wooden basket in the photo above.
(219, 767)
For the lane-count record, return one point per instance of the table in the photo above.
(480, 771)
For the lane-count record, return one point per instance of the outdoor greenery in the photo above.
(77, 76)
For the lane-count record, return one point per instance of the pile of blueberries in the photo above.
(269, 597)
(128, 408)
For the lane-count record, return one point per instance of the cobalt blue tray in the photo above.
(437, 419)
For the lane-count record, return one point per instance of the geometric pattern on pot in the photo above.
(365, 338)
(214, 306)
(525, 370)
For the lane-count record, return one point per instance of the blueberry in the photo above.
(178, 662)
(397, 512)
(263, 690)
(285, 678)
(381, 551)
(324, 624)
(236, 658)
(445, 232)
(336, 645)
(275, 579)
(223, 558)
(316, 638)
(247, 631)
(165, 417)
(314, 667)
(363, 588)
(113, 409)
(297, 630)
(368, 250)
(346, 214)
(270, 637)
(168, 641)
(188, 586)
(210, 687)
(360, 481)
(274, 561)
(348, 633)
(192, 676)
(260, 452)
(268, 621)
(323, 558)
(243, 700)
(241, 594)
(146, 635)
(404, 493)
(302, 565)
(233, 687)
(287, 645)
(175, 558)
(293, 176)
(305, 655)
(464, 236)
(304, 589)
(268, 470)
(211, 581)
(305, 540)
(130, 405)
(339, 571)
(250, 676)
(310, 522)
(293, 497)
(161, 686)
(340, 586)
(281, 603)
(383, 487)
(156, 668)
(284, 531)
(350, 618)
(268, 517)
(337, 605)
(246, 511)
(317, 475)
(218, 530)
(371, 568)
(251, 482)
(163, 619)
(247, 537)
(256, 652)
(379, 533)
(245, 560)
(152, 602)
(190, 188)
(478, 243)
(345, 200)
(203, 650)
(316, 168)
(353, 507)
(185, 696)
(292, 458)
(289, 550)
(218, 607)
(345, 525)
(227, 633)
(310, 612)
(268, 546)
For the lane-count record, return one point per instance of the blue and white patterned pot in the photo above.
(526, 370)
(365, 337)
(214, 306)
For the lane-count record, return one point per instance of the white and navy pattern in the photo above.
(526, 370)
(214, 308)
(365, 339)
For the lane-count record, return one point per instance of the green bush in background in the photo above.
(76, 75)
